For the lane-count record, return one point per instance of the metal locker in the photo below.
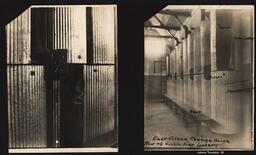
(191, 69)
(99, 101)
(197, 71)
(227, 85)
(206, 67)
(46, 62)
(185, 72)
(26, 106)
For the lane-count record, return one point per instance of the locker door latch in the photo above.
(175, 76)
(181, 75)
(207, 72)
(191, 74)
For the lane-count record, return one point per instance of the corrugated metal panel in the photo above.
(222, 95)
(213, 25)
(26, 106)
(170, 81)
(178, 72)
(190, 67)
(181, 71)
(205, 60)
(226, 105)
(230, 88)
(70, 32)
(103, 19)
(99, 101)
(174, 73)
(18, 39)
(246, 46)
(78, 30)
(185, 71)
(197, 71)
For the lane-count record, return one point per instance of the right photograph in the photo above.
(198, 78)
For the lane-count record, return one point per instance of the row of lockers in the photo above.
(211, 69)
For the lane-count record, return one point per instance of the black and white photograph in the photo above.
(62, 79)
(127, 77)
(198, 78)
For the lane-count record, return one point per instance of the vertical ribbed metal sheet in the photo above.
(175, 72)
(227, 96)
(190, 67)
(229, 87)
(18, 39)
(27, 92)
(99, 101)
(170, 83)
(185, 71)
(26, 106)
(246, 16)
(226, 106)
(197, 71)
(103, 19)
(205, 61)
(69, 32)
(178, 73)
(181, 71)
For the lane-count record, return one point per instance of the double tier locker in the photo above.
(215, 60)
(34, 120)
(231, 70)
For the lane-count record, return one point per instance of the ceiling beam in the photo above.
(175, 13)
(177, 40)
(183, 26)
(176, 28)
(157, 36)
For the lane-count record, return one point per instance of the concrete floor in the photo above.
(161, 121)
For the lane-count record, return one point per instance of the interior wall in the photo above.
(155, 49)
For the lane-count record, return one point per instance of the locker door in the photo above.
(205, 61)
(191, 69)
(99, 101)
(226, 105)
(26, 106)
(197, 71)
(185, 70)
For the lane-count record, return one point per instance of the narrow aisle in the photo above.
(161, 121)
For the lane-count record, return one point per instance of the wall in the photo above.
(155, 49)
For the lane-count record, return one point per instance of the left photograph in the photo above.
(62, 79)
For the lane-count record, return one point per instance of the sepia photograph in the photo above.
(62, 79)
(198, 78)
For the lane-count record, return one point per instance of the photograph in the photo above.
(62, 79)
(198, 78)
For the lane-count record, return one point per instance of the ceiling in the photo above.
(167, 18)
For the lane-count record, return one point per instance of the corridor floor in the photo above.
(161, 121)
(166, 130)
